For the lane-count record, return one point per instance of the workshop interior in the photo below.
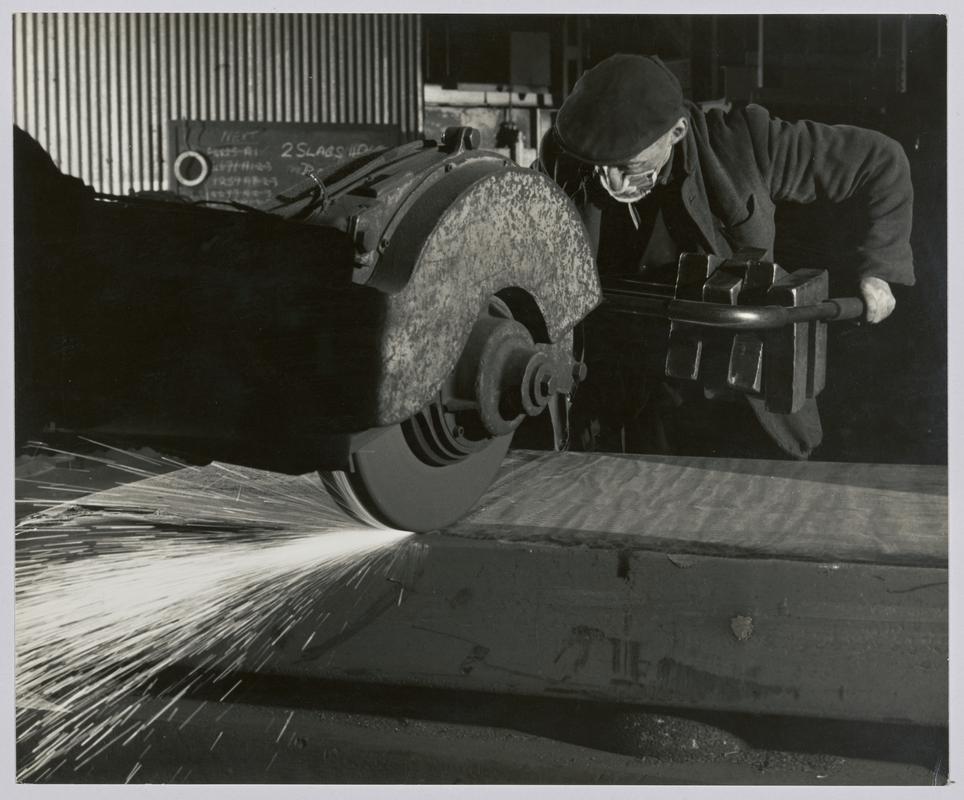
(340, 460)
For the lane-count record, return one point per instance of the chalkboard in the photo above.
(250, 162)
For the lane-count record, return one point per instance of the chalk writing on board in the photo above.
(253, 163)
(234, 152)
(239, 137)
(308, 150)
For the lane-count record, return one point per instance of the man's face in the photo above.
(635, 179)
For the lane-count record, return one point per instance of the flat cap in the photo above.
(619, 108)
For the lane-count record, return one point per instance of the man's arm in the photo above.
(808, 161)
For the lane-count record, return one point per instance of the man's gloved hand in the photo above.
(878, 299)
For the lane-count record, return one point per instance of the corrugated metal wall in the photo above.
(97, 90)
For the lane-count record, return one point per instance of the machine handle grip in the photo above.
(849, 307)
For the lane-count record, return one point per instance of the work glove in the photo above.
(878, 300)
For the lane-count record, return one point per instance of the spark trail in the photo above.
(210, 567)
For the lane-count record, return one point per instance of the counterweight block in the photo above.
(785, 365)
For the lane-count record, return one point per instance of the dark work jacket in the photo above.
(739, 165)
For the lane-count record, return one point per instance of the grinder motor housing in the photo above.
(273, 337)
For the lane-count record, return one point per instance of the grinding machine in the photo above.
(390, 323)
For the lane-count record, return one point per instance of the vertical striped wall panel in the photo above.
(97, 90)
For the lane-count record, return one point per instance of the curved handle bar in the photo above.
(719, 315)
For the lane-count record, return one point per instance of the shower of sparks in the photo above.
(208, 567)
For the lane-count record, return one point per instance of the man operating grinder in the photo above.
(654, 176)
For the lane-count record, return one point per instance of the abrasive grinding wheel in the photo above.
(392, 485)
(482, 273)
(429, 470)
